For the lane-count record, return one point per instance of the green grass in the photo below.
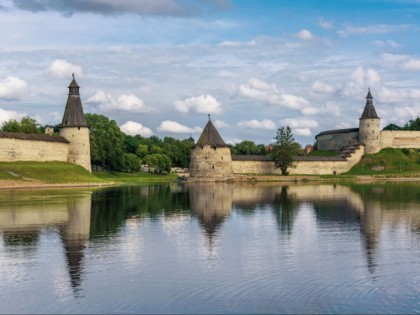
(127, 178)
(49, 172)
(62, 172)
(322, 153)
(389, 162)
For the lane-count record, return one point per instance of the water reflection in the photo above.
(212, 204)
(312, 231)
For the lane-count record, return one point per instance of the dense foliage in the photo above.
(412, 124)
(249, 148)
(26, 125)
(285, 150)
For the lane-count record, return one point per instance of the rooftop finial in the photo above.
(209, 116)
(369, 95)
(73, 75)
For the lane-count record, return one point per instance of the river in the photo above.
(212, 248)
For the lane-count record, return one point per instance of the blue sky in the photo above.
(160, 66)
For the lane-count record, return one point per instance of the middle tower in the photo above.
(211, 158)
(369, 127)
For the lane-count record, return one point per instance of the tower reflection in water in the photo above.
(28, 214)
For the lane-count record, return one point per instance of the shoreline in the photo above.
(35, 184)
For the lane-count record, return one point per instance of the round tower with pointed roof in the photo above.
(74, 128)
(211, 158)
(370, 127)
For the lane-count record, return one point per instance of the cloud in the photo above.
(326, 25)
(12, 88)
(6, 115)
(373, 29)
(322, 88)
(411, 65)
(299, 123)
(261, 90)
(133, 128)
(306, 132)
(61, 69)
(220, 124)
(384, 43)
(305, 35)
(405, 62)
(112, 7)
(129, 103)
(256, 124)
(205, 104)
(328, 109)
(361, 79)
(173, 126)
(228, 43)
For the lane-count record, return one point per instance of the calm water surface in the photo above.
(224, 248)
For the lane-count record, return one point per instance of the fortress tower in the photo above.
(211, 158)
(369, 127)
(74, 128)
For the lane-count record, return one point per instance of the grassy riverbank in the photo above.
(389, 162)
(33, 174)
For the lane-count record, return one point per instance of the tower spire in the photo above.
(369, 111)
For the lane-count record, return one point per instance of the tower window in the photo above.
(368, 125)
(212, 167)
(78, 127)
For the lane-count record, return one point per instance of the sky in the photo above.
(159, 67)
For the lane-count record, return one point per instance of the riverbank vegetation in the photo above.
(65, 173)
(389, 161)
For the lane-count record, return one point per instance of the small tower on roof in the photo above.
(211, 158)
(369, 127)
(74, 128)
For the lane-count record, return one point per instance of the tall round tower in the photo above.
(370, 127)
(211, 158)
(74, 128)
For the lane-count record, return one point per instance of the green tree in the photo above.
(132, 162)
(160, 163)
(29, 125)
(142, 150)
(392, 127)
(26, 125)
(247, 147)
(285, 150)
(413, 124)
(11, 125)
(106, 142)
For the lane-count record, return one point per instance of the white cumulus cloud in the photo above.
(258, 124)
(361, 79)
(62, 69)
(306, 132)
(305, 35)
(411, 65)
(299, 123)
(12, 88)
(126, 102)
(221, 124)
(261, 90)
(328, 109)
(205, 104)
(322, 87)
(175, 127)
(133, 128)
(6, 115)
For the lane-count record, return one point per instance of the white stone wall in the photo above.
(79, 146)
(400, 139)
(12, 150)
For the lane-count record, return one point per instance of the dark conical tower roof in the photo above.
(369, 111)
(73, 115)
(210, 136)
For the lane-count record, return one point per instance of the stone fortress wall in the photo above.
(71, 146)
(13, 149)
